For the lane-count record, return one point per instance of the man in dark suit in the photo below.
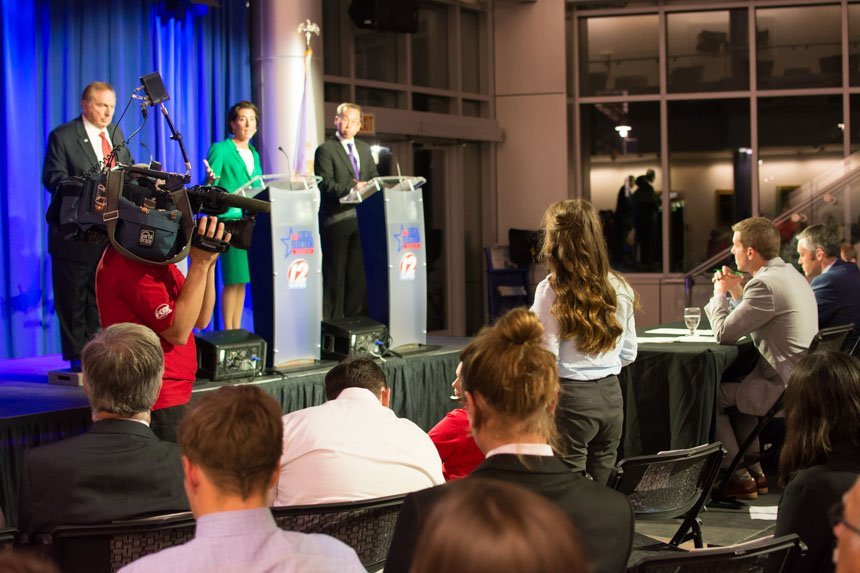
(118, 469)
(344, 164)
(76, 148)
(602, 516)
(835, 283)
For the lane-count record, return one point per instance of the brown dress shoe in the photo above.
(741, 489)
(760, 482)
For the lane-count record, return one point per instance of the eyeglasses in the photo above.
(836, 516)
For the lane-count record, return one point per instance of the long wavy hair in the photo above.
(574, 251)
(822, 411)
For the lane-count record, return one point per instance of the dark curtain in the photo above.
(50, 49)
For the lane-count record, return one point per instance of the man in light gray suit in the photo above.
(777, 309)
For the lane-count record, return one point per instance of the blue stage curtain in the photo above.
(50, 49)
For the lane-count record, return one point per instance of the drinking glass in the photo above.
(692, 317)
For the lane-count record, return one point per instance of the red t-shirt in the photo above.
(129, 291)
(452, 436)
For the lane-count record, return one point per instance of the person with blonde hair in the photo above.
(510, 390)
(587, 313)
(508, 529)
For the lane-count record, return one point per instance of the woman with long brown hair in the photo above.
(820, 459)
(587, 313)
(510, 388)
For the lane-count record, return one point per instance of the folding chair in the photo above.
(366, 526)
(671, 484)
(761, 556)
(8, 539)
(832, 338)
(108, 547)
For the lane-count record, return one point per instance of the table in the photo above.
(670, 392)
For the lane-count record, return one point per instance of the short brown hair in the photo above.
(515, 375)
(93, 87)
(123, 366)
(355, 372)
(234, 113)
(489, 526)
(341, 109)
(760, 234)
(235, 434)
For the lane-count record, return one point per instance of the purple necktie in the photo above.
(354, 161)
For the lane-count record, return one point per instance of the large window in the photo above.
(619, 56)
(707, 51)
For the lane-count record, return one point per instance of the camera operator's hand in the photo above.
(208, 227)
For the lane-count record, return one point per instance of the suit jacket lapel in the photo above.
(342, 154)
(238, 158)
(84, 142)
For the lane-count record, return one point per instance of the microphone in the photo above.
(146, 147)
(289, 163)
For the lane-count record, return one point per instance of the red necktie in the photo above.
(106, 148)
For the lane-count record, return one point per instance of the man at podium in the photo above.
(343, 163)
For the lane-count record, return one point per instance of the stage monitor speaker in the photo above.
(354, 336)
(228, 354)
(386, 15)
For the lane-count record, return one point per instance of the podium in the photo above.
(391, 223)
(286, 268)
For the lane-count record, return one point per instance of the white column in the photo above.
(277, 69)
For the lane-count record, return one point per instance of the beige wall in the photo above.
(531, 109)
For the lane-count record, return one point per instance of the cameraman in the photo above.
(160, 297)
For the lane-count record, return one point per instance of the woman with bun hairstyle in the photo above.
(510, 389)
(587, 313)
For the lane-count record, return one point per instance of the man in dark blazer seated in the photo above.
(344, 163)
(74, 149)
(835, 283)
(118, 469)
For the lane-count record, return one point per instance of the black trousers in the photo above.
(75, 303)
(165, 422)
(590, 418)
(344, 284)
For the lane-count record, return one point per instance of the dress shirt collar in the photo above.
(522, 449)
(94, 131)
(828, 267)
(345, 141)
(359, 395)
(240, 522)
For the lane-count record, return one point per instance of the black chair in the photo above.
(507, 284)
(8, 539)
(670, 484)
(366, 526)
(106, 548)
(764, 555)
(832, 338)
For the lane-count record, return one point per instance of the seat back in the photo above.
(366, 526)
(763, 555)
(832, 338)
(8, 539)
(668, 484)
(107, 548)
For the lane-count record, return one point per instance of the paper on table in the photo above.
(666, 330)
(697, 338)
(656, 339)
(765, 512)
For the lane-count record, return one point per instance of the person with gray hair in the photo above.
(118, 469)
(835, 282)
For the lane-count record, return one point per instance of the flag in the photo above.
(306, 135)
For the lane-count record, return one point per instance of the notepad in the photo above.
(679, 331)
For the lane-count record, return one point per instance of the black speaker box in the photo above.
(386, 15)
(354, 336)
(228, 354)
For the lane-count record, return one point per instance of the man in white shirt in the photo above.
(354, 447)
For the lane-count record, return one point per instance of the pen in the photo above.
(736, 273)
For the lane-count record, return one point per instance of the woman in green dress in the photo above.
(231, 163)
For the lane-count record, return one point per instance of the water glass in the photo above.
(692, 317)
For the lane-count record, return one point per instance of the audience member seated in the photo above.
(821, 456)
(845, 518)
(118, 469)
(453, 439)
(489, 526)
(354, 447)
(834, 282)
(230, 441)
(848, 253)
(777, 309)
(510, 388)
